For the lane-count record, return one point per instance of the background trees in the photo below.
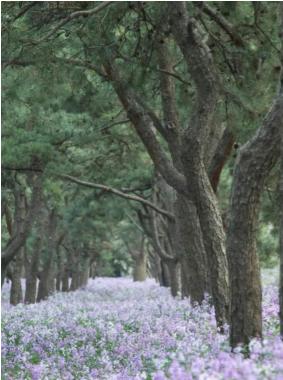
(122, 123)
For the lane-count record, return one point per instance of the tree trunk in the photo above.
(139, 273)
(191, 249)
(75, 280)
(174, 274)
(23, 222)
(31, 288)
(58, 282)
(164, 274)
(255, 160)
(84, 277)
(92, 270)
(59, 270)
(281, 240)
(193, 153)
(202, 72)
(16, 294)
(213, 236)
(281, 199)
(46, 284)
(42, 291)
(65, 281)
(52, 282)
(32, 271)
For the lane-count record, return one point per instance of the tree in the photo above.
(159, 91)
(255, 160)
(281, 195)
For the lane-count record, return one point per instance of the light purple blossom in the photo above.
(116, 329)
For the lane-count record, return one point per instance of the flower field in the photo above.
(117, 329)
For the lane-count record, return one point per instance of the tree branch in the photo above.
(222, 22)
(167, 87)
(74, 15)
(119, 193)
(142, 120)
(202, 70)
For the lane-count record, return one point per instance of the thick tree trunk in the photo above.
(31, 288)
(32, 271)
(164, 274)
(281, 197)
(187, 236)
(16, 294)
(46, 284)
(59, 271)
(174, 273)
(220, 157)
(75, 282)
(213, 237)
(281, 239)
(52, 283)
(201, 70)
(84, 276)
(58, 282)
(92, 271)
(254, 163)
(139, 272)
(42, 292)
(193, 155)
(191, 249)
(65, 281)
(23, 223)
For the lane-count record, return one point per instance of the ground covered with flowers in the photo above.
(117, 329)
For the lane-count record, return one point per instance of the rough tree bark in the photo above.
(59, 262)
(162, 235)
(281, 201)
(255, 160)
(59, 275)
(46, 283)
(186, 172)
(20, 234)
(139, 257)
(32, 267)
(164, 274)
(139, 272)
(195, 279)
(199, 190)
(74, 257)
(16, 292)
(281, 240)
(188, 236)
(143, 120)
(32, 272)
(65, 279)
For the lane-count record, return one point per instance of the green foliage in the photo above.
(63, 115)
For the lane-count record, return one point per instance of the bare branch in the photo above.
(74, 15)
(109, 189)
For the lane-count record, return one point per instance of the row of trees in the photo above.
(145, 98)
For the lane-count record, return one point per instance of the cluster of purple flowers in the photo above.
(117, 329)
